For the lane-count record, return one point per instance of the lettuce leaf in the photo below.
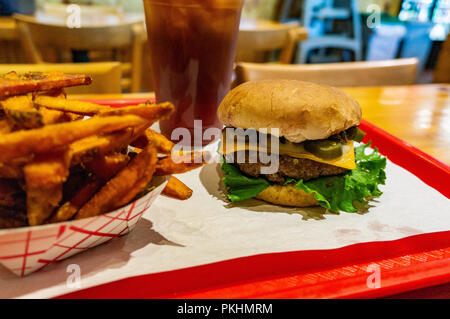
(336, 193)
(240, 186)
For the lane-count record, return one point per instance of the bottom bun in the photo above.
(287, 195)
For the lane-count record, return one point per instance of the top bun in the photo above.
(300, 110)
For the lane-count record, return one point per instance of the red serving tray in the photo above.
(406, 264)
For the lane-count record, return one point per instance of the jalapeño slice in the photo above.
(355, 134)
(326, 149)
(359, 135)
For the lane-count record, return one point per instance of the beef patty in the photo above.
(290, 167)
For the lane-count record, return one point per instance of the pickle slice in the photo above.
(359, 135)
(326, 149)
(355, 134)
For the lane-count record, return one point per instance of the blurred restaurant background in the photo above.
(394, 42)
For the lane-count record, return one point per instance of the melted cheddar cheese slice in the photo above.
(347, 160)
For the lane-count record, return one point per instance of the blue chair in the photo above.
(318, 18)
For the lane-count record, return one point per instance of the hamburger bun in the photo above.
(287, 195)
(300, 110)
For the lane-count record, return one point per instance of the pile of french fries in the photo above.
(63, 159)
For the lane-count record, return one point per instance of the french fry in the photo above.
(8, 171)
(87, 148)
(104, 167)
(11, 194)
(21, 112)
(56, 92)
(162, 144)
(72, 106)
(184, 163)
(41, 202)
(12, 218)
(54, 117)
(71, 207)
(10, 76)
(44, 178)
(5, 127)
(14, 84)
(147, 176)
(151, 112)
(49, 137)
(112, 165)
(177, 189)
(90, 147)
(47, 169)
(78, 176)
(120, 185)
(14, 168)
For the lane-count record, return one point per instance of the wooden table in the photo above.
(418, 114)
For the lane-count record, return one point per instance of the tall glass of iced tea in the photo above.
(192, 49)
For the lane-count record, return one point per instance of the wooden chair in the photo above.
(442, 69)
(373, 73)
(10, 47)
(8, 29)
(125, 41)
(257, 9)
(106, 76)
(328, 11)
(268, 36)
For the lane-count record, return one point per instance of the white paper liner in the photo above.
(206, 228)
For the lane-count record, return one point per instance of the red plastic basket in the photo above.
(405, 264)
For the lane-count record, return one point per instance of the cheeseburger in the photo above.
(313, 132)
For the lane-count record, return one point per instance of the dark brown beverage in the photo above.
(192, 48)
